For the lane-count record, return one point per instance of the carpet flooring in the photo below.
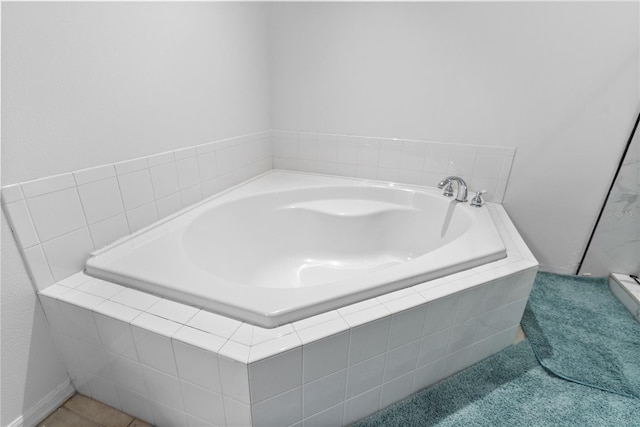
(513, 389)
(580, 331)
(509, 389)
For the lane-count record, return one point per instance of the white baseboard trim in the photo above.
(46, 406)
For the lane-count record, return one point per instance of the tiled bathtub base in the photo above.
(172, 364)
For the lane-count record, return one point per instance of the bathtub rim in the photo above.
(278, 307)
(519, 260)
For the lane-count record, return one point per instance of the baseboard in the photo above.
(46, 406)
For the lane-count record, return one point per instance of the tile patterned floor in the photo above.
(81, 411)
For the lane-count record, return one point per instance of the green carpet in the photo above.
(509, 389)
(581, 332)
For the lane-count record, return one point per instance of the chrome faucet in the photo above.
(462, 188)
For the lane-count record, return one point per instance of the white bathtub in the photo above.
(287, 245)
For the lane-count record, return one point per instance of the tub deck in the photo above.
(287, 246)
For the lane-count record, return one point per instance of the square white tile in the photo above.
(369, 340)
(365, 376)
(160, 159)
(275, 375)
(188, 172)
(390, 154)
(92, 359)
(282, 410)
(56, 214)
(104, 391)
(136, 189)
(100, 288)
(368, 152)
(327, 148)
(101, 199)
(434, 347)
(401, 360)
(413, 155)
(163, 388)
(49, 184)
(167, 416)
(97, 173)
(325, 356)
(207, 165)
(171, 310)
(330, 417)
(214, 323)
(169, 205)
(126, 373)
(308, 146)
(11, 193)
(135, 404)
(66, 255)
(440, 314)
(133, 165)
(155, 350)
(407, 326)
(191, 195)
(80, 322)
(109, 230)
(396, 389)
(234, 378)
(324, 393)
(362, 405)
(202, 403)
(197, 366)
(236, 413)
(142, 216)
(427, 375)
(115, 336)
(21, 224)
(164, 179)
(135, 299)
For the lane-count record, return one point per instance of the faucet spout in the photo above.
(461, 196)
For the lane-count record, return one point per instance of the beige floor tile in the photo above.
(97, 411)
(520, 336)
(139, 423)
(63, 417)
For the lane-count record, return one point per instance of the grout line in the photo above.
(84, 214)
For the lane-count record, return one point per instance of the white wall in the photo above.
(559, 81)
(89, 83)
(84, 84)
(30, 366)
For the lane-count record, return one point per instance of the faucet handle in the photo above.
(477, 200)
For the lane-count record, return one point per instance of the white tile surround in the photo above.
(59, 220)
(397, 160)
(172, 364)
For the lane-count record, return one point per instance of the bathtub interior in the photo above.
(361, 233)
